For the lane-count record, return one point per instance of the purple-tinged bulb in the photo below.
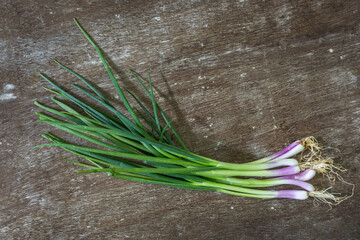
(283, 162)
(289, 151)
(307, 186)
(302, 176)
(293, 194)
(284, 171)
(296, 148)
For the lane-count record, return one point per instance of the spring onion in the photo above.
(142, 145)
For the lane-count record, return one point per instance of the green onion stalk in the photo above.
(142, 145)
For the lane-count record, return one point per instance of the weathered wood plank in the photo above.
(243, 78)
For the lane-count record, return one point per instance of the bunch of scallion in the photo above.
(139, 147)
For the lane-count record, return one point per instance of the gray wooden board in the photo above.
(243, 79)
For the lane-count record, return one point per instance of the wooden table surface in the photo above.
(243, 78)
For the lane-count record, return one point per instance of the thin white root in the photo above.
(313, 159)
(312, 144)
(329, 198)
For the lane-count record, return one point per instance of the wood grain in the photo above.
(243, 79)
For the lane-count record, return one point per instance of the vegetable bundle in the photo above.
(139, 147)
